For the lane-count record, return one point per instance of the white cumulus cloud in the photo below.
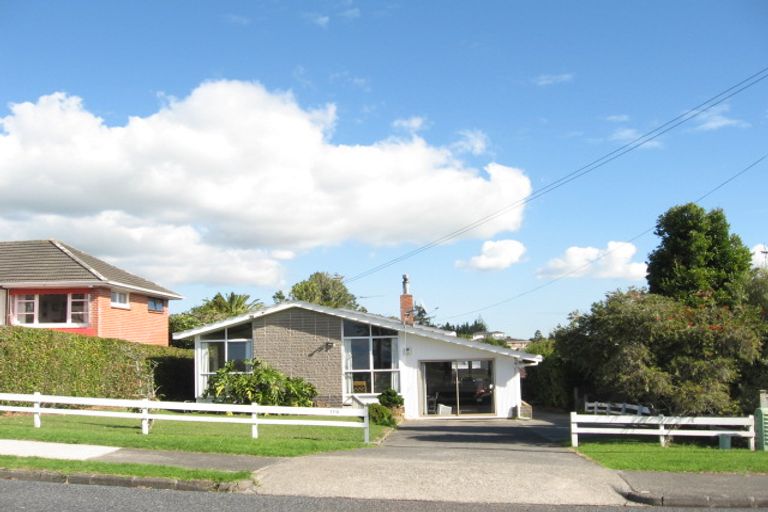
(495, 255)
(760, 255)
(471, 141)
(229, 182)
(615, 261)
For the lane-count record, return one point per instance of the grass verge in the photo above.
(679, 457)
(109, 468)
(273, 441)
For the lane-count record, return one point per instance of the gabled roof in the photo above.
(49, 262)
(366, 318)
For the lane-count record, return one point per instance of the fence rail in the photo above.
(615, 408)
(665, 427)
(145, 414)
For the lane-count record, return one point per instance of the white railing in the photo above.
(665, 427)
(145, 414)
(615, 408)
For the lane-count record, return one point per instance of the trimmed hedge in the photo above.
(66, 364)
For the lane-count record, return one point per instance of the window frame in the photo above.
(201, 347)
(371, 371)
(155, 300)
(120, 305)
(21, 298)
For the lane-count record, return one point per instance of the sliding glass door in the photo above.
(458, 387)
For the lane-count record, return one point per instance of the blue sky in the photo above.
(243, 145)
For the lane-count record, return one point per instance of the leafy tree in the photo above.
(756, 290)
(548, 383)
(537, 336)
(646, 348)
(697, 259)
(421, 317)
(324, 289)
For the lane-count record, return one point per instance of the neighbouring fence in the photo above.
(615, 408)
(146, 407)
(665, 427)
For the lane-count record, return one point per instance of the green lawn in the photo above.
(273, 441)
(108, 468)
(679, 457)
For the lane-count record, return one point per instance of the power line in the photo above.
(607, 253)
(641, 140)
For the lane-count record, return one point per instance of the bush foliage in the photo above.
(381, 415)
(390, 398)
(66, 364)
(263, 385)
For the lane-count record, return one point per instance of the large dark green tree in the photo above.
(698, 259)
(324, 289)
(646, 348)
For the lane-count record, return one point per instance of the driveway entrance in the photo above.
(478, 460)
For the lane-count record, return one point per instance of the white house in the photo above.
(348, 353)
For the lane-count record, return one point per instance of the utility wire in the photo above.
(607, 253)
(641, 140)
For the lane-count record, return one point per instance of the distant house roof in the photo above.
(47, 262)
(368, 318)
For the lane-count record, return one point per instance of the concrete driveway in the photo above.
(467, 460)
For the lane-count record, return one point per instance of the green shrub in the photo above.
(264, 385)
(381, 415)
(57, 363)
(390, 398)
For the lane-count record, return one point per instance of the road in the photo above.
(50, 497)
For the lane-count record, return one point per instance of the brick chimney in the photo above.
(406, 303)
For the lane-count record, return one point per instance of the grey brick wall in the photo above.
(294, 342)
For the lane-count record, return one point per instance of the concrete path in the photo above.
(192, 460)
(482, 461)
(53, 450)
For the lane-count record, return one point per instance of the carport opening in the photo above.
(458, 387)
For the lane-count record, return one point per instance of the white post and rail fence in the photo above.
(664, 427)
(148, 412)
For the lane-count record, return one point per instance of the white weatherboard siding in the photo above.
(506, 373)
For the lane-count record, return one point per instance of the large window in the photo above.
(230, 344)
(55, 309)
(370, 359)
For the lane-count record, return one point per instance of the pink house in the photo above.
(48, 284)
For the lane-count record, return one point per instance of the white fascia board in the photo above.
(221, 324)
(146, 291)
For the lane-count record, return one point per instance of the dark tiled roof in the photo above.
(47, 261)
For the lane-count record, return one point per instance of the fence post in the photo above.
(367, 429)
(37, 410)
(574, 431)
(145, 417)
(255, 419)
(662, 437)
(752, 433)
